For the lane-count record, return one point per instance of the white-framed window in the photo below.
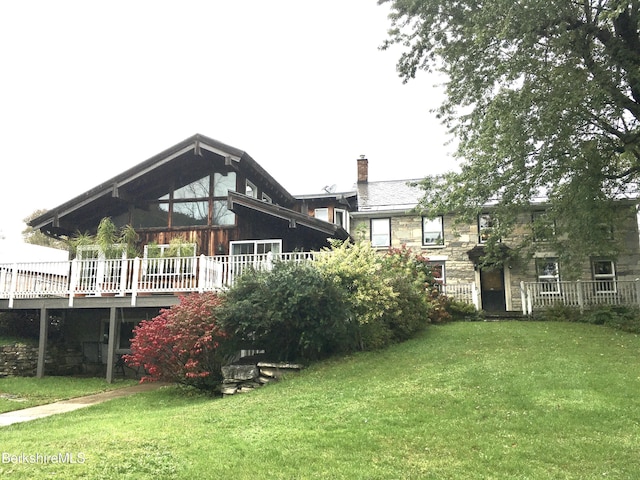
(253, 247)
(321, 214)
(250, 189)
(486, 224)
(604, 275)
(548, 273)
(381, 232)
(432, 231)
(266, 198)
(341, 218)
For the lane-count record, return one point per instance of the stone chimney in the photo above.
(363, 169)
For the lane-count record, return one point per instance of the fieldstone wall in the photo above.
(246, 378)
(18, 360)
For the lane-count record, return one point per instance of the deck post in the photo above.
(42, 341)
(111, 347)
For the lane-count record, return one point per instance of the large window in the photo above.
(432, 231)
(548, 275)
(604, 275)
(381, 232)
(198, 203)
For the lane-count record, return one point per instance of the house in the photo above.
(215, 200)
(386, 216)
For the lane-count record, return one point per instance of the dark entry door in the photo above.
(492, 290)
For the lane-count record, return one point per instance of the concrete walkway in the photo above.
(64, 406)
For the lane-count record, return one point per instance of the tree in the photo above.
(543, 97)
(184, 344)
(36, 237)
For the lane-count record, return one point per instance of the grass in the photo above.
(518, 400)
(23, 392)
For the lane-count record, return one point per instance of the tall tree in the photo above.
(543, 97)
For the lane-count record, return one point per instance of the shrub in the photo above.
(184, 344)
(292, 311)
(621, 317)
(386, 293)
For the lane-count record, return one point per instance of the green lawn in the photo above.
(22, 392)
(495, 400)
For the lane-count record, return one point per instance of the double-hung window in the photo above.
(381, 232)
(432, 231)
(548, 275)
(604, 275)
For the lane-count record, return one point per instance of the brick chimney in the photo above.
(363, 169)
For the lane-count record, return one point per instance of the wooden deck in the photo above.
(128, 282)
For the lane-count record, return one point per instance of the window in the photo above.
(381, 232)
(548, 275)
(251, 190)
(486, 224)
(191, 204)
(432, 231)
(544, 228)
(437, 270)
(604, 275)
(251, 247)
(321, 214)
(341, 218)
(266, 198)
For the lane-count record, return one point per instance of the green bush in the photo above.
(621, 317)
(387, 293)
(293, 312)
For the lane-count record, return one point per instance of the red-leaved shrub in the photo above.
(182, 344)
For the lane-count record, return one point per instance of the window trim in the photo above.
(345, 216)
(604, 278)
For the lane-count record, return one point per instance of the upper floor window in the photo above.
(266, 198)
(381, 232)
(321, 214)
(200, 202)
(544, 228)
(548, 275)
(486, 225)
(432, 231)
(604, 275)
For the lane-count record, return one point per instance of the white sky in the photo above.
(90, 88)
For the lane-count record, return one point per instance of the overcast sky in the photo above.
(90, 88)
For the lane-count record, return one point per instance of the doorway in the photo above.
(492, 290)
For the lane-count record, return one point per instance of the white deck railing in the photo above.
(100, 277)
(580, 294)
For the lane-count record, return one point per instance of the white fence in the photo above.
(462, 292)
(580, 294)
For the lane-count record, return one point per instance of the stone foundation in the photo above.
(246, 378)
(18, 360)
